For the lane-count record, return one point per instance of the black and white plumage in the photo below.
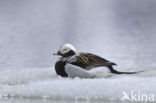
(72, 64)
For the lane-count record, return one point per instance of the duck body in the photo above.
(86, 61)
(79, 64)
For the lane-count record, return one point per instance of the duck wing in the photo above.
(89, 61)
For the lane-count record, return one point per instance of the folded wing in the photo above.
(89, 61)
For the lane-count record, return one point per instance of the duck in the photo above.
(73, 64)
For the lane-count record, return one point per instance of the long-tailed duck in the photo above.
(72, 64)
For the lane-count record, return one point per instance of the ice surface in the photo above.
(122, 31)
(45, 84)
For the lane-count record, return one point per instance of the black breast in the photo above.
(60, 68)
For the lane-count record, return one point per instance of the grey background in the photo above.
(122, 31)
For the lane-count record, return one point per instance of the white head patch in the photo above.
(66, 48)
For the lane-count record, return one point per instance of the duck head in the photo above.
(66, 51)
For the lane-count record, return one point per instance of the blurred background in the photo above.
(122, 31)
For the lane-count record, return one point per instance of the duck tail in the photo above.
(118, 72)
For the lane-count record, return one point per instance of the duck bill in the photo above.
(57, 53)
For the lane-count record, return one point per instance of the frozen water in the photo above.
(122, 31)
(44, 84)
